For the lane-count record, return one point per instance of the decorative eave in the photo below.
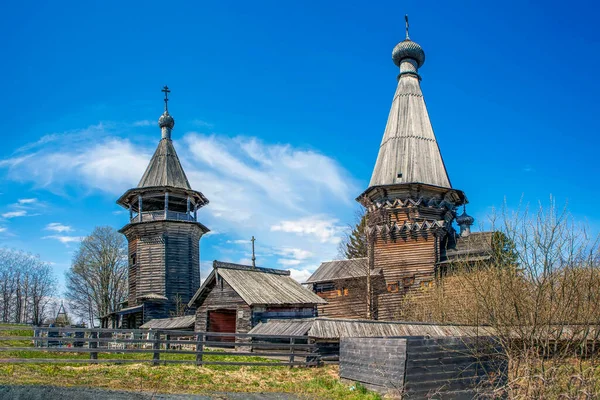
(131, 195)
(411, 194)
(407, 227)
(127, 227)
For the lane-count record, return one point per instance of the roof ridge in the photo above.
(242, 267)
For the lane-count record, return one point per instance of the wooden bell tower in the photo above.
(163, 234)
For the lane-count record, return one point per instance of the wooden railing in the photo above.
(207, 347)
(160, 216)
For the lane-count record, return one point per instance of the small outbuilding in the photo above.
(235, 298)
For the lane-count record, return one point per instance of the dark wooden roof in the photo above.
(164, 168)
(341, 269)
(475, 247)
(334, 328)
(185, 322)
(258, 286)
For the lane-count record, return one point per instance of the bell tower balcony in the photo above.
(162, 204)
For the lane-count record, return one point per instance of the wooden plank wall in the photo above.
(424, 368)
(377, 363)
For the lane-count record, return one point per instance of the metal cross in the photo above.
(166, 91)
(253, 255)
(405, 19)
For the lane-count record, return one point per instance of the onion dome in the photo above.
(464, 222)
(166, 120)
(465, 219)
(408, 49)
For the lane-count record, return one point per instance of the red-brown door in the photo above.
(222, 321)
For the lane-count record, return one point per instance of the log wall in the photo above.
(164, 259)
(406, 259)
(221, 296)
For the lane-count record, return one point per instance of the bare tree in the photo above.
(26, 286)
(97, 280)
(538, 294)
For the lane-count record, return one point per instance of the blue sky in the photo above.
(280, 108)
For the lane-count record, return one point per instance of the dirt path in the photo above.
(35, 392)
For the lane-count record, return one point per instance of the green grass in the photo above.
(318, 383)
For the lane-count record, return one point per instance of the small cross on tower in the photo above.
(405, 19)
(253, 255)
(166, 91)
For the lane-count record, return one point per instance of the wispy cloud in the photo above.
(14, 214)
(290, 198)
(145, 122)
(2, 229)
(26, 201)
(58, 227)
(325, 229)
(65, 239)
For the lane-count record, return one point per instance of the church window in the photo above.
(342, 292)
(324, 287)
(426, 284)
(408, 281)
(133, 259)
(392, 287)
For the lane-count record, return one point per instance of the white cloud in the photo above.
(301, 275)
(58, 227)
(240, 241)
(325, 229)
(14, 214)
(298, 254)
(291, 199)
(288, 262)
(26, 201)
(2, 229)
(145, 122)
(65, 239)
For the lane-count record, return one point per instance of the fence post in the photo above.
(168, 345)
(199, 348)
(93, 344)
(292, 342)
(156, 346)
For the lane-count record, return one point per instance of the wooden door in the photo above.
(222, 321)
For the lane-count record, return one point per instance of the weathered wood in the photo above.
(93, 345)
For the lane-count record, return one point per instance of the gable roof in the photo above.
(164, 168)
(341, 269)
(258, 286)
(409, 146)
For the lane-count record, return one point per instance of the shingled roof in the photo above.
(258, 286)
(164, 168)
(478, 246)
(409, 151)
(341, 269)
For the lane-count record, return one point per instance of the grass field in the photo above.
(319, 383)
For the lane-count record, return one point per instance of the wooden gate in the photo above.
(222, 321)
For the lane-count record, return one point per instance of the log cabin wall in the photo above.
(223, 297)
(347, 298)
(164, 259)
(407, 259)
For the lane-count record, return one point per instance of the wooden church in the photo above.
(411, 206)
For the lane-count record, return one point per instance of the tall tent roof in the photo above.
(165, 168)
(409, 151)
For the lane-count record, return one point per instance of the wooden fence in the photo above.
(281, 350)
